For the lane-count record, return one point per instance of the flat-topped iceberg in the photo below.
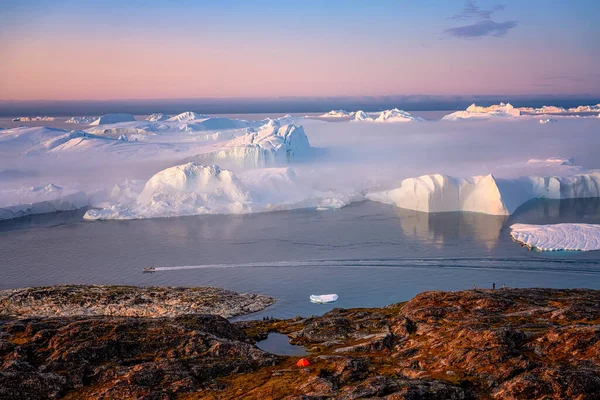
(569, 237)
(478, 112)
(485, 194)
(113, 119)
(270, 145)
(396, 115)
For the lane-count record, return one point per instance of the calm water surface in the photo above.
(370, 254)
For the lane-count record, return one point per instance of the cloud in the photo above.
(473, 11)
(482, 25)
(481, 29)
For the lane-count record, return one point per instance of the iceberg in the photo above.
(581, 109)
(337, 114)
(113, 119)
(17, 203)
(360, 115)
(547, 121)
(569, 237)
(477, 112)
(187, 189)
(396, 115)
(485, 194)
(157, 117)
(33, 119)
(80, 120)
(269, 145)
(323, 298)
(543, 110)
(186, 116)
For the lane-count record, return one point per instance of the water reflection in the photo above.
(439, 228)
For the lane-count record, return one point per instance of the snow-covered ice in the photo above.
(360, 115)
(567, 236)
(113, 119)
(80, 120)
(186, 116)
(39, 200)
(30, 119)
(477, 112)
(337, 114)
(157, 117)
(396, 115)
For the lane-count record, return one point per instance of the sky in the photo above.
(112, 49)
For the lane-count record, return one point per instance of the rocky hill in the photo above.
(501, 344)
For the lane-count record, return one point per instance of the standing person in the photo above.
(494, 286)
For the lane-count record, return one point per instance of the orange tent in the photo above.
(303, 362)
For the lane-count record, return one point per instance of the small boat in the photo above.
(323, 298)
(149, 269)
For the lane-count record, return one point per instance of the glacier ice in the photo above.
(80, 120)
(360, 115)
(186, 116)
(555, 237)
(39, 200)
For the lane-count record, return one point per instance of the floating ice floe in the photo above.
(396, 115)
(569, 237)
(477, 112)
(113, 119)
(485, 194)
(547, 121)
(323, 298)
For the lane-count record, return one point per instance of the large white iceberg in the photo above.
(396, 115)
(113, 119)
(269, 145)
(478, 112)
(570, 237)
(192, 189)
(485, 194)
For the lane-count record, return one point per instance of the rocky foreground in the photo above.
(127, 301)
(502, 344)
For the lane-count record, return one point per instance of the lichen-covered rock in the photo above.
(127, 301)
